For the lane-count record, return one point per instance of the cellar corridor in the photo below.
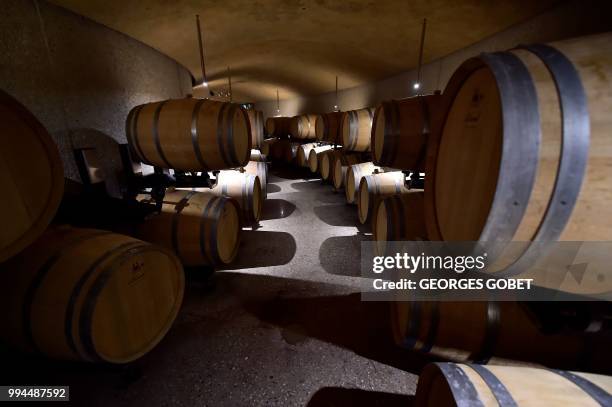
(289, 330)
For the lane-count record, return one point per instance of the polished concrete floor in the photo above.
(283, 326)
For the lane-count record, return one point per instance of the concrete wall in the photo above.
(80, 78)
(568, 19)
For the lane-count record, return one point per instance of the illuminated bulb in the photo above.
(205, 84)
(336, 107)
(417, 85)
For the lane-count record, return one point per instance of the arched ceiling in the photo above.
(299, 46)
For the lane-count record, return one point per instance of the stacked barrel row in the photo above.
(202, 226)
(521, 157)
(70, 293)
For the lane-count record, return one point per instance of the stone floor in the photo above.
(283, 326)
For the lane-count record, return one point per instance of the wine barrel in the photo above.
(356, 129)
(327, 127)
(260, 169)
(291, 152)
(278, 126)
(526, 157)
(190, 134)
(89, 295)
(303, 127)
(202, 228)
(302, 154)
(400, 130)
(340, 166)
(31, 177)
(257, 155)
(278, 150)
(314, 157)
(246, 189)
(256, 124)
(266, 147)
(398, 218)
(482, 332)
(375, 187)
(462, 385)
(325, 165)
(354, 173)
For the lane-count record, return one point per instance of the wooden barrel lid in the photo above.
(31, 177)
(228, 231)
(148, 295)
(469, 158)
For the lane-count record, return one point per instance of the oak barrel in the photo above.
(256, 124)
(245, 188)
(526, 157)
(340, 166)
(400, 131)
(200, 227)
(354, 173)
(327, 127)
(258, 155)
(356, 129)
(326, 161)
(190, 134)
(31, 177)
(303, 127)
(375, 187)
(482, 332)
(315, 156)
(291, 152)
(89, 295)
(398, 218)
(260, 169)
(278, 126)
(463, 385)
(303, 152)
(266, 147)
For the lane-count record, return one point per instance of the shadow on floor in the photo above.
(341, 397)
(344, 320)
(329, 195)
(341, 255)
(272, 188)
(340, 215)
(263, 249)
(291, 172)
(307, 186)
(276, 209)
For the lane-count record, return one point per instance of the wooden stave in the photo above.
(167, 230)
(550, 217)
(54, 185)
(356, 129)
(194, 115)
(75, 285)
(371, 186)
(470, 385)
